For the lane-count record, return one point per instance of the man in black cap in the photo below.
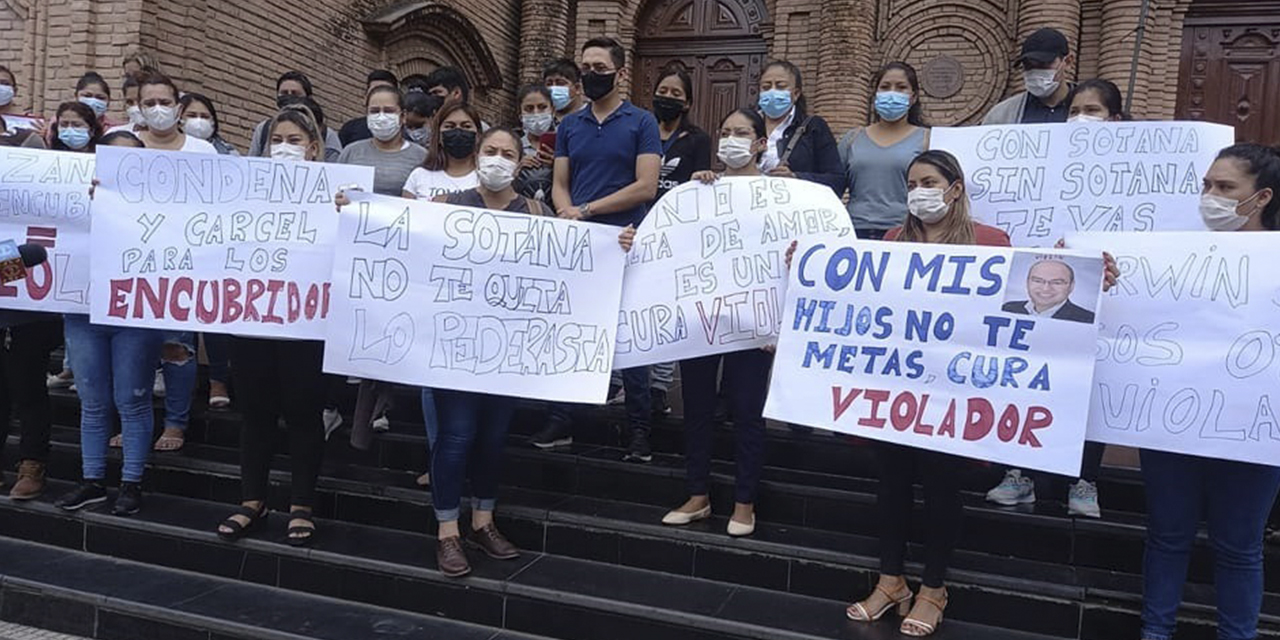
(1046, 61)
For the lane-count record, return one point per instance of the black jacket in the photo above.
(1069, 311)
(690, 151)
(816, 157)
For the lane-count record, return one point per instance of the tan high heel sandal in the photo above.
(902, 600)
(918, 629)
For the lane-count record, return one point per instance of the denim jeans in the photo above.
(179, 381)
(1236, 498)
(429, 419)
(635, 383)
(217, 350)
(749, 372)
(472, 434)
(115, 369)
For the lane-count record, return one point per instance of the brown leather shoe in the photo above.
(493, 543)
(30, 482)
(450, 557)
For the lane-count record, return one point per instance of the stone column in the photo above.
(544, 34)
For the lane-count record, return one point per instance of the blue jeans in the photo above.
(472, 434)
(179, 381)
(115, 369)
(635, 383)
(429, 418)
(217, 349)
(1236, 498)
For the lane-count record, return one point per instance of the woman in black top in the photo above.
(685, 148)
(813, 155)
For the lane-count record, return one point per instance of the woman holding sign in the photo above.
(281, 378)
(938, 212)
(742, 142)
(1241, 193)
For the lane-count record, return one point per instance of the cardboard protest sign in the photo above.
(214, 243)
(1187, 352)
(973, 351)
(707, 274)
(1041, 182)
(44, 200)
(462, 298)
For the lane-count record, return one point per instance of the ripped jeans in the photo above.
(179, 378)
(115, 369)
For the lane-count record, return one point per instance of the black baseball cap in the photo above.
(1044, 46)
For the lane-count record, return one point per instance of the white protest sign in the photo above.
(462, 298)
(44, 200)
(1041, 182)
(22, 122)
(214, 243)
(1188, 344)
(707, 273)
(935, 347)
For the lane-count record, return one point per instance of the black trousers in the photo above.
(280, 378)
(24, 362)
(746, 382)
(943, 511)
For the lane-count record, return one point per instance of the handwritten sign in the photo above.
(215, 243)
(461, 298)
(1187, 352)
(1041, 182)
(22, 122)
(44, 200)
(936, 347)
(707, 273)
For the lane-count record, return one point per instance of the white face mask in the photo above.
(1220, 214)
(160, 117)
(495, 172)
(201, 128)
(735, 152)
(286, 151)
(1041, 82)
(1085, 117)
(929, 205)
(383, 126)
(536, 124)
(135, 116)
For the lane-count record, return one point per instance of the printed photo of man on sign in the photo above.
(1050, 285)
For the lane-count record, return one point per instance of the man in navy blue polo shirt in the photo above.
(606, 170)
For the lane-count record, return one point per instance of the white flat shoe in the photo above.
(738, 530)
(676, 518)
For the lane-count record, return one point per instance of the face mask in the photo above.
(383, 126)
(495, 172)
(559, 97)
(892, 105)
(536, 124)
(1085, 117)
(76, 138)
(667, 109)
(160, 117)
(1219, 214)
(1041, 82)
(201, 128)
(287, 99)
(458, 143)
(928, 204)
(775, 103)
(598, 85)
(135, 116)
(286, 151)
(99, 106)
(735, 152)
(420, 135)
(6, 94)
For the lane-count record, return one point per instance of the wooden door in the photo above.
(1230, 69)
(721, 83)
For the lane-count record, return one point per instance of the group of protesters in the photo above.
(578, 150)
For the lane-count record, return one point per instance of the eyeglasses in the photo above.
(1056, 283)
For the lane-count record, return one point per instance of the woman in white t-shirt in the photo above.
(158, 97)
(451, 159)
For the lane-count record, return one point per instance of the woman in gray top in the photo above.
(876, 157)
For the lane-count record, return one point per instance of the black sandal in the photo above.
(256, 518)
(310, 531)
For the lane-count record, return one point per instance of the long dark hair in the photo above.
(685, 81)
(958, 225)
(437, 159)
(1107, 90)
(915, 115)
(186, 101)
(85, 113)
(801, 105)
(1263, 163)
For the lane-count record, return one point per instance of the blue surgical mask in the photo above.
(74, 137)
(775, 103)
(99, 106)
(6, 94)
(559, 97)
(892, 105)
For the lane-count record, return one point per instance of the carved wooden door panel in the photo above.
(1230, 70)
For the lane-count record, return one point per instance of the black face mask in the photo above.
(598, 85)
(287, 99)
(666, 109)
(458, 143)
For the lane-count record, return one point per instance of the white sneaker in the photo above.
(158, 388)
(382, 424)
(1013, 490)
(55, 381)
(1082, 500)
(332, 420)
